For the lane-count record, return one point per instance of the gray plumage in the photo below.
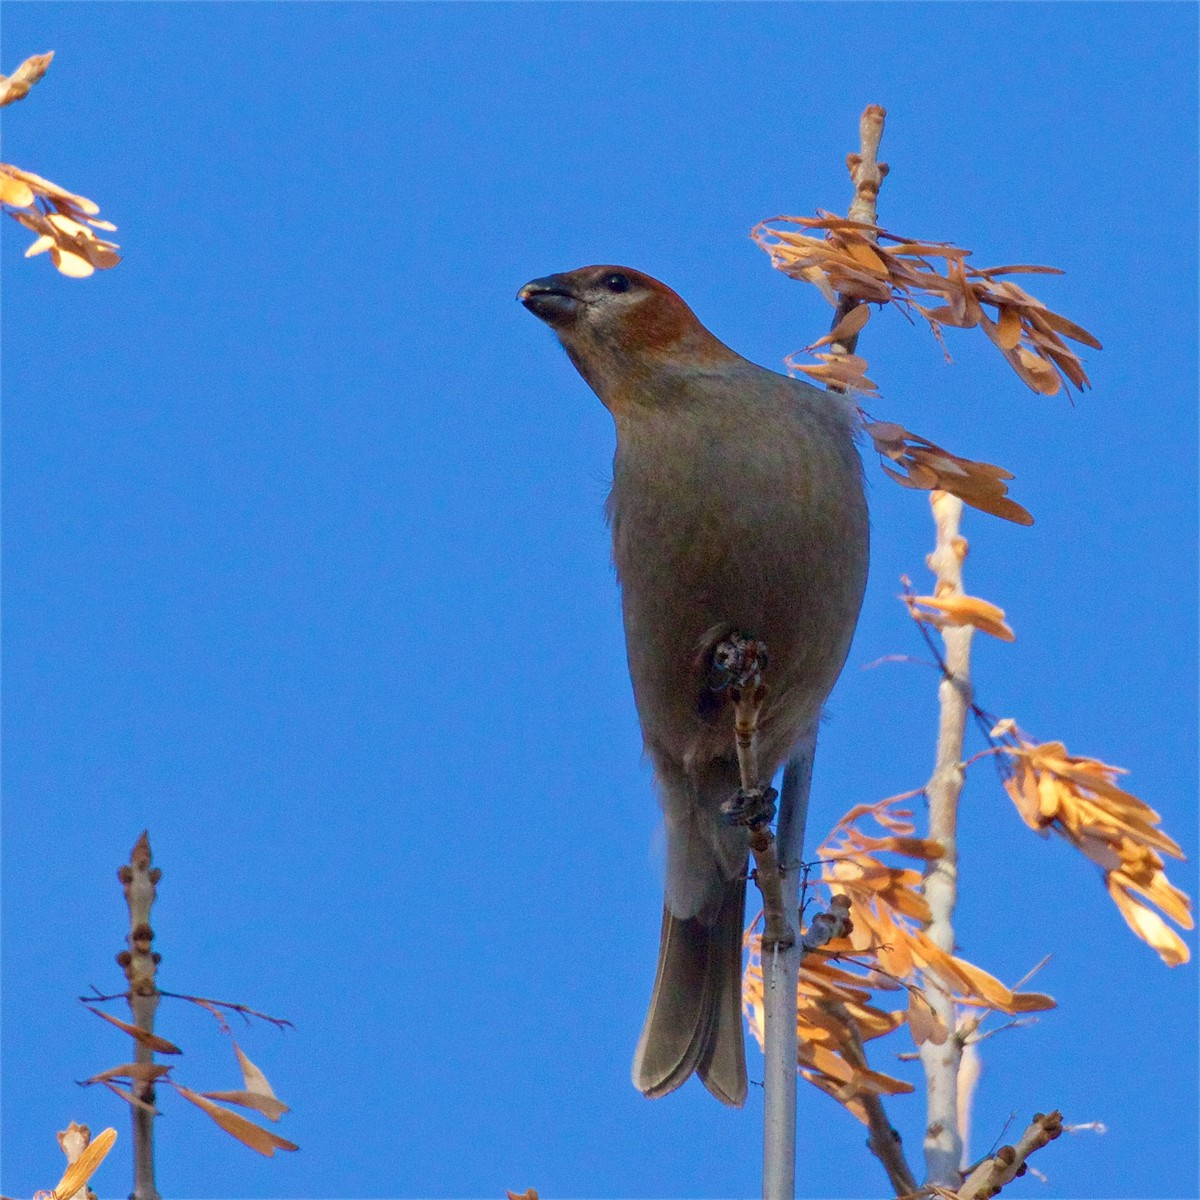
(737, 506)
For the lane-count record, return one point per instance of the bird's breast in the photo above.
(728, 522)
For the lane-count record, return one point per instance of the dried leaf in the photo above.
(256, 1081)
(960, 609)
(1069, 329)
(150, 1040)
(267, 1105)
(40, 246)
(865, 255)
(928, 466)
(1079, 799)
(852, 323)
(843, 371)
(246, 1132)
(1037, 372)
(71, 264)
(14, 191)
(1150, 927)
(1024, 1002)
(134, 1070)
(130, 1098)
(1020, 269)
(258, 1094)
(52, 191)
(850, 326)
(864, 262)
(925, 1024)
(1008, 328)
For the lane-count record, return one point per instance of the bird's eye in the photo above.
(616, 282)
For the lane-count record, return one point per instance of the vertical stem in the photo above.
(781, 963)
(943, 1137)
(884, 1141)
(781, 967)
(868, 174)
(140, 880)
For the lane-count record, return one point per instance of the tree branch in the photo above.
(781, 969)
(943, 1136)
(781, 961)
(884, 1141)
(140, 880)
(1008, 1162)
(868, 173)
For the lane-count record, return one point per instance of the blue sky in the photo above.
(305, 568)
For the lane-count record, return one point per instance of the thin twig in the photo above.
(243, 1010)
(205, 1002)
(781, 962)
(943, 1136)
(974, 1039)
(140, 880)
(778, 933)
(1008, 1162)
(884, 1141)
(780, 970)
(99, 997)
(781, 966)
(868, 173)
(899, 658)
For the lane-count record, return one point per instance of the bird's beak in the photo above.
(550, 298)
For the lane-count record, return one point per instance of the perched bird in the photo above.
(736, 508)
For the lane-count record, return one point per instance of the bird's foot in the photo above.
(753, 808)
(737, 661)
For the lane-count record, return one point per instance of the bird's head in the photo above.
(621, 328)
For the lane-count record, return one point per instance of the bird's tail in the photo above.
(695, 1017)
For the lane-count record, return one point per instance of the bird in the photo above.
(737, 510)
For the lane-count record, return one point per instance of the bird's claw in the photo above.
(750, 807)
(737, 661)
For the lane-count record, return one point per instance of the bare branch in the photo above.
(1008, 1162)
(140, 881)
(884, 1141)
(943, 1137)
(868, 173)
(781, 960)
(243, 1010)
(780, 971)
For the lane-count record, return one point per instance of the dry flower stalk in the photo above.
(884, 909)
(1079, 799)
